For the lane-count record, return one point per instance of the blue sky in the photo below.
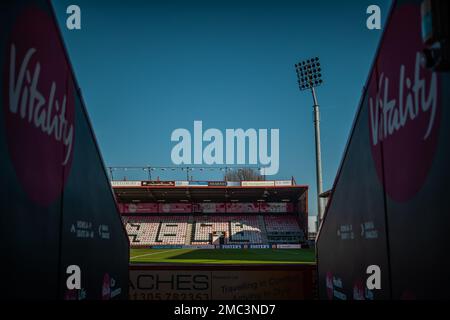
(146, 68)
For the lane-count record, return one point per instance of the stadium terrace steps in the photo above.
(189, 231)
(262, 223)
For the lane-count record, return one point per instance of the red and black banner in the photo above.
(56, 205)
(388, 206)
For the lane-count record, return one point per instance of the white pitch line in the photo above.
(149, 254)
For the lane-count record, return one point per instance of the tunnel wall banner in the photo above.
(57, 208)
(388, 206)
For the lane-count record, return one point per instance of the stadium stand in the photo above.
(205, 226)
(245, 229)
(235, 229)
(283, 229)
(197, 213)
(156, 230)
(277, 224)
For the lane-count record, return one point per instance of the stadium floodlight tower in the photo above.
(309, 74)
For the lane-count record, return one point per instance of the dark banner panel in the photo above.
(57, 207)
(389, 195)
(353, 236)
(416, 161)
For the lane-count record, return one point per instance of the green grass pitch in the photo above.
(223, 256)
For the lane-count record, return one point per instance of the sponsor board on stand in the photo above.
(231, 246)
(168, 246)
(116, 183)
(209, 207)
(283, 183)
(138, 208)
(259, 246)
(198, 183)
(275, 207)
(175, 207)
(257, 183)
(289, 246)
(158, 183)
(205, 246)
(217, 183)
(247, 207)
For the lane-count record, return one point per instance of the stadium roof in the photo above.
(165, 191)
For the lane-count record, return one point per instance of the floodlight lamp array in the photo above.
(309, 73)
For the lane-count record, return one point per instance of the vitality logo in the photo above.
(404, 109)
(38, 106)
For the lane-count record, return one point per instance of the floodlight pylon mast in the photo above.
(309, 75)
(319, 181)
